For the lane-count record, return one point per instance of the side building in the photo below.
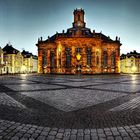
(2, 65)
(35, 64)
(29, 62)
(130, 62)
(13, 60)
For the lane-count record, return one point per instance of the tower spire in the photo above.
(79, 18)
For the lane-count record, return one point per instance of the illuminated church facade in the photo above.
(79, 50)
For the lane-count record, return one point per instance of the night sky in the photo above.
(23, 21)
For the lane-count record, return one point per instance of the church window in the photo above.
(60, 62)
(89, 57)
(105, 59)
(44, 60)
(52, 60)
(113, 59)
(97, 58)
(68, 58)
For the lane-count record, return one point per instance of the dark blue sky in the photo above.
(23, 21)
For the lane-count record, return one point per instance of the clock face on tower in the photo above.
(78, 24)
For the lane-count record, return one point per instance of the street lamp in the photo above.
(78, 56)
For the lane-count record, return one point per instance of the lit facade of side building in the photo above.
(1, 62)
(130, 62)
(13, 61)
(79, 51)
(30, 62)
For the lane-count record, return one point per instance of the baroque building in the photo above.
(130, 62)
(79, 50)
(1, 62)
(13, 61)
(29, 62)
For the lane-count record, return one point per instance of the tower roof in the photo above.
(79, 30)
(79, 10)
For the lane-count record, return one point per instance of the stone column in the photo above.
(73, 59)
(40, 69)
(84, 59)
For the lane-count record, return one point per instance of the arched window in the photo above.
(68, 58)
(113, 59)
(105, 59)
(97, 58)
(89, 57)
(59, 62)
(52, 59)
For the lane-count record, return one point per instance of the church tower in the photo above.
(79, 18)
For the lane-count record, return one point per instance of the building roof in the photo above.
(131, 54)
(1, 50)
(79, 31)
(86, 33)
(27, 54)
(8, 49)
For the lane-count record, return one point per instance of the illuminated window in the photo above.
(68, 58)
(105, 59)
(113, 59)
(97, 60)
(52, 59)
(89, 57)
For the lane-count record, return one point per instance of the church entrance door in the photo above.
(78, 69)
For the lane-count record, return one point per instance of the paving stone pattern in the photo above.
(50, 107)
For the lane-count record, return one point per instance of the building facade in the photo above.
(13, 61)
(130, 62)
(78, 50)
(29, 62)
(35, 64)
(2, 66)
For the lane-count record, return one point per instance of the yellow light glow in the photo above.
(23, 68)
(23, 75)
(134, 68)
(78, 56)
(59, 47)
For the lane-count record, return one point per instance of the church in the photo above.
(78, 51)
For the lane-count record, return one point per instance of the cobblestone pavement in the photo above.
(44, 107)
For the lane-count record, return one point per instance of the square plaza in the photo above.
(69, 107)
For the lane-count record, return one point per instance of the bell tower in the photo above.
(79, 18)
